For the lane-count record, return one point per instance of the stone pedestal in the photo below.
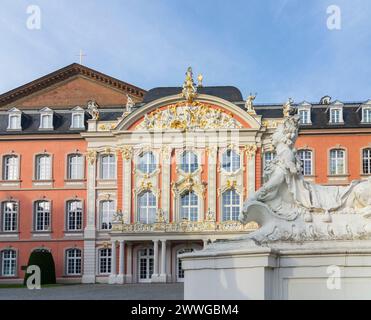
(280, 271)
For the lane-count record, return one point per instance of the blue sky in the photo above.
(277, 48)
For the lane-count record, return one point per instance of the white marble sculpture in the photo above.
(93, 110)
(287, 207)
(129, 104)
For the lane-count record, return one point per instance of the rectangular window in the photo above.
(108, 167)
(104, 261)
(8, 263)
(335, 116)
(74, 215)
(366, 115)
(337, 162)
(14, 122)
(43, 167)
(9, 217)
(73, 260)
(75, 169)
(268, 157)
(107, 210)
(77, 121)
(10, 168)
(366, 161)
(304, 116)
(42, 216)
(46, 121)
(305, 157)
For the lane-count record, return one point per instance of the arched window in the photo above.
(108, 167)
(75, 169)
(337, 161)
(189, 206)
(107, 210)
(147, 207)
(42, 216)
(231, 205)
(43, 167)
(147, 162)
(73, 262)
(231, 161)
(104, 261)
(9, 216)
(366, 161)
(11, 167)
(305, 157)
(189, 162)
(8, 263)
(74, 215)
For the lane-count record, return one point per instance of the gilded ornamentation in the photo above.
(231, 184)
(189, 88)
(185, 226)
(146, 185)
(186, 116)
(270, 123)
(91, 156)
(127, 152)
(160, 217)
(250, 150)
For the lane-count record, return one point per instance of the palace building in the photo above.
(117, 182)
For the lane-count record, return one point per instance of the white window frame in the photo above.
(73, 255)
(75, 171)
(10, 170)
(305, 161)
(185, 161)
(44, 215)
(145, 165)
(336, 161)
(231, 205)
(43, 171)
(106, 259)
(18, 122)
(109, 172)
(10, 216)
(188, 206)
(366, 161)
(46, 113)
(106, 214)
(78, 111)
(307, 118)
(232, 160)
(147, 208)
(12, 261)
(337, 119)
(74, 215)
(366, 114)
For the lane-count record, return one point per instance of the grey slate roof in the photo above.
(228, 93)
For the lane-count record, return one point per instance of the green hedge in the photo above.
(44, 259)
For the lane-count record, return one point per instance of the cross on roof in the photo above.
(81, 56)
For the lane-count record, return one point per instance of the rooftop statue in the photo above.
(93, 110)
(287, 207)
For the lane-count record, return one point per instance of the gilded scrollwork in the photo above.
(250, 150)
(126, 152)
(91, 156)
(185, 116)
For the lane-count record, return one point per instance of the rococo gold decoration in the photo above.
(126, 152)
(187, 116)
(91, 156)
(250, 150)
(189, 88)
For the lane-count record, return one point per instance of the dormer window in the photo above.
(77, 118)
(336, 113)
(366, 112)
(14, 121)
(304, 111)
(46, 119)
